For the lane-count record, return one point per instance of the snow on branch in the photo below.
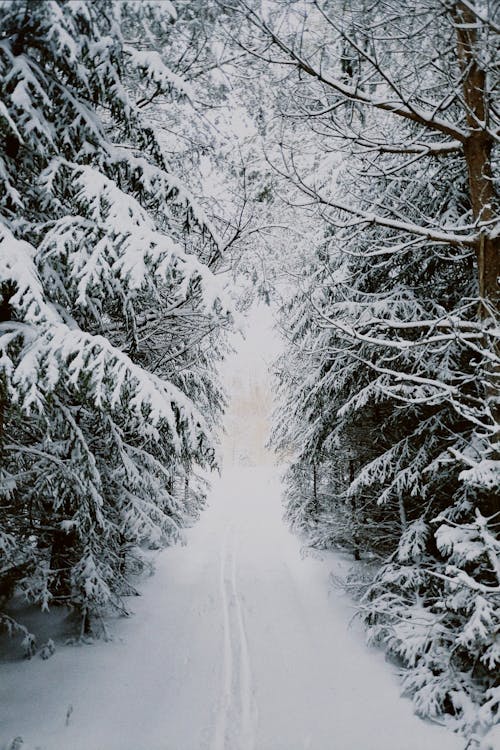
(454, 239)
(120, 240)
(17, 268)
(396, 105)
(162, 186)
(150, 63)
(91, 362)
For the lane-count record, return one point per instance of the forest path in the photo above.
(236, 644)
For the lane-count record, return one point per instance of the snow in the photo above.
(485, 473)
(150, 62)
(237, 643)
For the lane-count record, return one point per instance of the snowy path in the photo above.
(235, 645)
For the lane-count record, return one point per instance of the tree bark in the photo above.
(7, 291)
(478, 149)
(315, 488)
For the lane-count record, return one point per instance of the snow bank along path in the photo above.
(235, 645)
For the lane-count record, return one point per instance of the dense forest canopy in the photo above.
(342, 158)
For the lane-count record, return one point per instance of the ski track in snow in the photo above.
(235, 728)
(246, 734)
(225, 700)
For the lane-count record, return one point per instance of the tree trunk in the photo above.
(478, 151)
(7, 291)
(62, 556)
(355, 535)
(402, 513)
(315, 488)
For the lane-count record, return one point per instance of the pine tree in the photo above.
(108, 290)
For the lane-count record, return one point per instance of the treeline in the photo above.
(387, 139)
(112, 318)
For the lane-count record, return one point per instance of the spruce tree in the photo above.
(107, 285)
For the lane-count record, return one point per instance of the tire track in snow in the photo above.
(235, 723)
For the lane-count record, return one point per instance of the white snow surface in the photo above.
(238, 642)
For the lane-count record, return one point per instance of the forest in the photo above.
(164, 165)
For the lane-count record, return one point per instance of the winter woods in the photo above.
(375, 145)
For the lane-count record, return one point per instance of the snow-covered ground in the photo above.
(236, 644)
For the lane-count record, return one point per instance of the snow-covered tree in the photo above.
(111, 315)
(390, 130)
